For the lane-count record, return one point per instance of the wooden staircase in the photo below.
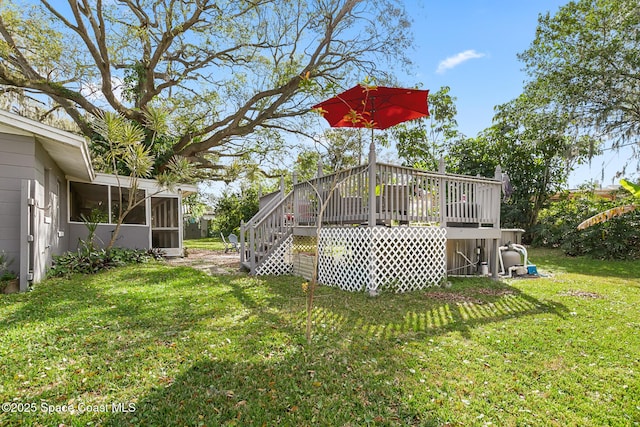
(263, 235)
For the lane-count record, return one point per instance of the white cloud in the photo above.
(454, 61)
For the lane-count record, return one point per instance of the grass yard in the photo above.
(210, 243)
(160, 345)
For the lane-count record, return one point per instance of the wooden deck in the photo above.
(372, 195)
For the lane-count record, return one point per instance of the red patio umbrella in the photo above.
(375, 107)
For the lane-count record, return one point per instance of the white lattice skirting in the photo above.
(399, 259)
(279, 262)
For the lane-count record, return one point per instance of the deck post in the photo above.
(242, 236)
(295, 212)
(282, 186)
(252, 246)
(320, 168)
(495, 258)
(442, 193)
(372, 185)
(372, 285)
(497, 195)
(496, 242)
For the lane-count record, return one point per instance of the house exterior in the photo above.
(47, 182)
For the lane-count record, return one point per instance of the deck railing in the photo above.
(401, 195)
(406, 195)
(341, 193)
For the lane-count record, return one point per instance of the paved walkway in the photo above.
(211, 262)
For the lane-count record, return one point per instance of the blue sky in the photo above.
(472, 46)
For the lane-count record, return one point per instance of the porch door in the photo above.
(165, 225)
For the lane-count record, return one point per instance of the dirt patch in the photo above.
(465, 298)
(211, 262)
(580, 294)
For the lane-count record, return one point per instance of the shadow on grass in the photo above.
(137, 293)
(469, 303)
(348, 375)
(101, 329)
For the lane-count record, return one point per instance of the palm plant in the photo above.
(634, 189)
(127, 155)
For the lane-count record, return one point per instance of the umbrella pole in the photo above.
(360, 147)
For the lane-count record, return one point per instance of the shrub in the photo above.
(232, 208)
(5, 272)
(90, 262)
(618, 238)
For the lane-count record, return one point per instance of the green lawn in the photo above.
(176, 347)
(211, 243)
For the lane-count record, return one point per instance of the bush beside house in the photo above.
(9, 282)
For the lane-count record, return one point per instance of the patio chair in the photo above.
(231, 243)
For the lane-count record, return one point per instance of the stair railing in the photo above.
(259, 216)
(261, 235)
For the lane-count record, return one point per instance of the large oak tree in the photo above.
(231, 75)
(585, 64)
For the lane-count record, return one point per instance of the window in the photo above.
(138, 214)
(101, 203)
(88, 201)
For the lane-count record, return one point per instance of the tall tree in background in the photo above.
(334, 150)
(233, 207)
(421, 143)
(533, 147)
(231, 74)
(584, 64)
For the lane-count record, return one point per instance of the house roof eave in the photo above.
(145, 184)
(68, 150)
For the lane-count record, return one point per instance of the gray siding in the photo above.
(130, 236)
(23, 158)
(16, 163)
